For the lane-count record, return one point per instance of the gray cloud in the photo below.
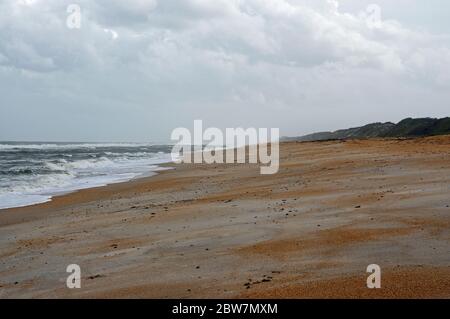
(137, 69)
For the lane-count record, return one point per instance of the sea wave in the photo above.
(31, 178)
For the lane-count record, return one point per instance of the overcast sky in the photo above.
(137, 69)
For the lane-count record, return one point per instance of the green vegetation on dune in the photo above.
(420, 127)
(406, 128)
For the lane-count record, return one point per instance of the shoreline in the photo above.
(49, 170)
(225, 231)
(80, 196)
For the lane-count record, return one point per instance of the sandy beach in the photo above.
(225, 231)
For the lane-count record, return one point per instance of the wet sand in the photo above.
(225, 231)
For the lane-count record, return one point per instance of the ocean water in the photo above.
(32, 173)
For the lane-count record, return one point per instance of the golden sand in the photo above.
(226, 231)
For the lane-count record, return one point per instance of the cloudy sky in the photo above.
(137, 69)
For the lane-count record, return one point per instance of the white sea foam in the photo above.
(62, 175)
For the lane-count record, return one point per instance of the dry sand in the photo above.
(225, 231)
